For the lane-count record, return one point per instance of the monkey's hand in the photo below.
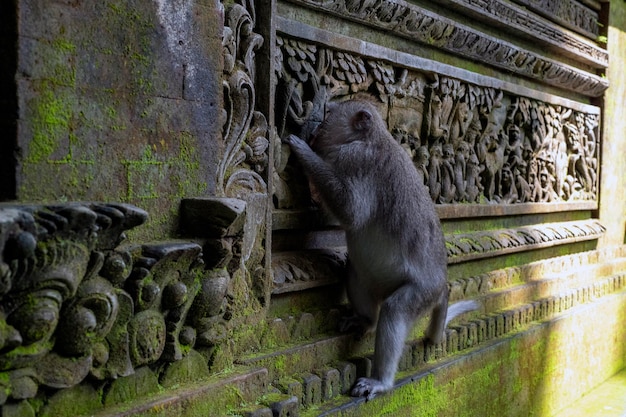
(368, 388)
(297, 145)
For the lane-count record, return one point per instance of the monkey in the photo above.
(396, 250)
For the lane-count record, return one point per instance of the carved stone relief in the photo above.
(412, 22)
(571, 13)
(472, 144)
(244, 131)
(75, 304)
(517, 19)
(243, 168)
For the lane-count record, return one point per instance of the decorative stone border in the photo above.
(420, 25)
(300, 270)
(518, 20)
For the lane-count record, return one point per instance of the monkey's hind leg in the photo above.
(365, 308)
(396, 318)
(437, 325)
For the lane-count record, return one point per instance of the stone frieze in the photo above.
(518, 20)
(472, 143)
(420, 25)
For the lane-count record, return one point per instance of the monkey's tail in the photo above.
(460, 308)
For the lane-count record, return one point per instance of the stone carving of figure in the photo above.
(434, 172)
(523, 188)
(473, 187)
(438, 131)
(507, 184)
(494, 143)
(461, 121)
(533, 180)
(577, 159)
(460, 170)
(422, 158)
(448, 189)
(547, 188)
(514, 147)
(556, 148)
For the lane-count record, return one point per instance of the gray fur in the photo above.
(396, 249)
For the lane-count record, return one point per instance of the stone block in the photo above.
(212, 217)
(286, 406)
(472, 334)
(481, 330)
(363, 366)
(348, 373)
(312, 390)
(452, 341)
(305, 327)
(291, 386)
(258, 412)
(331, 383)
(417, 354)
(406, 358)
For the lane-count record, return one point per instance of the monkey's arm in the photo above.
(335, 193)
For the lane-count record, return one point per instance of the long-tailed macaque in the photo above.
(396, 249)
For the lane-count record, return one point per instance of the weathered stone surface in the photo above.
(117, 102)
(137, 109)
(312, 390)
(191, 368)
(285, 407)
(213, 217)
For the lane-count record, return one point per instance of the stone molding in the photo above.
(298, 270)
(417, 24)
(570, 13)
(464, 247)
(518, 20)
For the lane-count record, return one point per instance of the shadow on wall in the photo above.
(8, 103)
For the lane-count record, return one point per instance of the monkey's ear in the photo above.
(362, 120)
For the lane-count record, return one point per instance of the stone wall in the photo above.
(160, 253)
(116, 101)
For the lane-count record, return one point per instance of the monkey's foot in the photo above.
(355, 324)
(368, 388)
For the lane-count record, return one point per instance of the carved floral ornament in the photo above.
(74, 304)
(472, 144)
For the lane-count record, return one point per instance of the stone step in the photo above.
(537, 370)
(214, 396)
(320, 378)
(606, 400)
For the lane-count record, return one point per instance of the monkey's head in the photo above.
(348, 121)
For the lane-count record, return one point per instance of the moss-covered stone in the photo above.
(79, 400)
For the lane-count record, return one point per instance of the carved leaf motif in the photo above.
(240, 43)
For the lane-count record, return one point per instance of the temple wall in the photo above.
(160, 250)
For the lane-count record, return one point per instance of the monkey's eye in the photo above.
(328, 108)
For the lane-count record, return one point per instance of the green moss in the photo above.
(51, 122)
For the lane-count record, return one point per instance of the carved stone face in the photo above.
(507, 176)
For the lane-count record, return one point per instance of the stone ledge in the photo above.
(298, 270)
(543, 361)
